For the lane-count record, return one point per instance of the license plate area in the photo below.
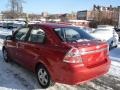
(95, 58)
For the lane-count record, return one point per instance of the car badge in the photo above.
(97, 47)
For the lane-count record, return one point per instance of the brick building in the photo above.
(101, 14)
(85, 15)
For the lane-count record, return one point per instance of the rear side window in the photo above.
(37, 35)
(21, 34)
(72, 34)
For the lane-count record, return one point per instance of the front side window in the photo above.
(72, 34)
(37, 35)
(21, 34)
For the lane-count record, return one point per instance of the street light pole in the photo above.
(119, 17)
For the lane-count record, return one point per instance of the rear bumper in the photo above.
(78, 74)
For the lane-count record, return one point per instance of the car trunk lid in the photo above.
(93, 52)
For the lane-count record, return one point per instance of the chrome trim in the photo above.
(95, 51)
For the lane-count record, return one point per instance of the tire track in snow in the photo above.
(108, 82)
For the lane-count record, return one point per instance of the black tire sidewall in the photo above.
(6, 60)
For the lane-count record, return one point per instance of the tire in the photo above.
(5, 56)
(111, 45)
(43, 77)
(116, 46)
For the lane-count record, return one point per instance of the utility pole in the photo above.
(12, 5)
(119, 17)
(19, 6)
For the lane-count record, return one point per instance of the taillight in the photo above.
(73, 56)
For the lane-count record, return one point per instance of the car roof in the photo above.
(50, 25)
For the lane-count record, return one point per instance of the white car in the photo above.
(108, 34)
(3, 33)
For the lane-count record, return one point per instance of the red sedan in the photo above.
(57, 53)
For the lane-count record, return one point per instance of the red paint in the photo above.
(54, 54)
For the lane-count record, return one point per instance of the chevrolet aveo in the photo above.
(57, 53)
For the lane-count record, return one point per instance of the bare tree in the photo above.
(16, 8)
(20, 5)
(16, 5)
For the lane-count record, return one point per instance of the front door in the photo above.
(20, 37)
(29, 50)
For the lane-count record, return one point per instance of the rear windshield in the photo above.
(70, 34)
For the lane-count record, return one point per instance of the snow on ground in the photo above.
(14, 76)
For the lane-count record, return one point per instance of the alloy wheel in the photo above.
(43, 76)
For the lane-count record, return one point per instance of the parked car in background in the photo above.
(86, 29)
(3, 33)
(57, 53)
(19, 24)
(106, 33)
(1, 23)
(118, 31)
(13, 24)
(105, 26)
(9, 27)
(34, 22)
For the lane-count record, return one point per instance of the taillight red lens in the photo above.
(73, 56)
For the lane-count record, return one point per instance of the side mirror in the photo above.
(10, 37)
